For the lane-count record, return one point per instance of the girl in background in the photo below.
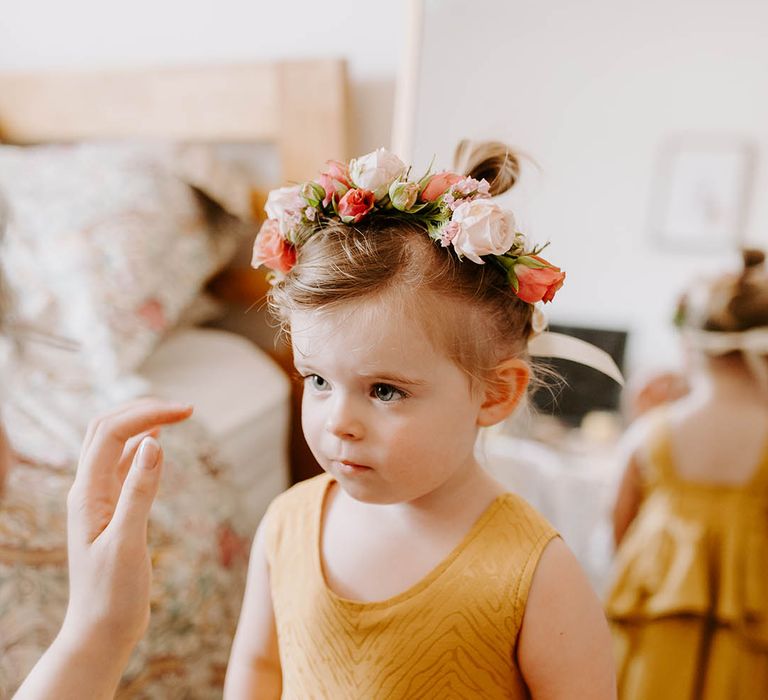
(689, 600)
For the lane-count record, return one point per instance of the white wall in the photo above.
(112, 33)
(591, 90)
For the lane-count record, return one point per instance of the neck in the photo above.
(468, 484)
(727, 378)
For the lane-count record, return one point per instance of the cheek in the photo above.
(436, 433)
(311, 419)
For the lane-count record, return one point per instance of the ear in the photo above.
(504, 392)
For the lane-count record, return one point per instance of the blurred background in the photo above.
(615, 104)
(87, 34)
(138, 143)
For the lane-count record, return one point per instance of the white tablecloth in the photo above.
(573, 489)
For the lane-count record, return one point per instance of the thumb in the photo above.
(139, 488)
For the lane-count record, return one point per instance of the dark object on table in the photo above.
(583, 389)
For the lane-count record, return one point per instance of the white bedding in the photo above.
(240, 395)
(573, 491)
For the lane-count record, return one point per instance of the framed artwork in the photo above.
(702, 193)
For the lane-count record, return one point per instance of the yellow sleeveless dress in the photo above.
(688, 604)
(452, 635)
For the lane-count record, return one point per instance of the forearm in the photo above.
(74, 668)
(257, 681)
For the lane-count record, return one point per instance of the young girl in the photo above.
(689, 602)
(406, 571)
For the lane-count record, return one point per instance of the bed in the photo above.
(130, 199)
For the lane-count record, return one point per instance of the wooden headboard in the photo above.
(300, 106)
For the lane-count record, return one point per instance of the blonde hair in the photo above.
(468, 310)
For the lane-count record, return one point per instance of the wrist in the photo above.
(95, 648)
(75, 666)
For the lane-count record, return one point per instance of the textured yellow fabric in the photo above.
(688, 603)
(452, 635)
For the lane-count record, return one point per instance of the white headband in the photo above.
(753, 341)
(566, 347)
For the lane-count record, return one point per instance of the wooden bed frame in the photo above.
(300, 107)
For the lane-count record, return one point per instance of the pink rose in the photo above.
(334, 180)
(272, 250)
(438, 185)
(538, 283)
(355, 204)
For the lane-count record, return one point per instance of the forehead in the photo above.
(368, 330)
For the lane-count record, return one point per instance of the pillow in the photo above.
(106, 243)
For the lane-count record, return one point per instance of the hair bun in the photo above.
(490, 160)
(752, 257)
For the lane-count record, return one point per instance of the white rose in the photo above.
(282, 200)
(283, 204)
(376, 171)
(485, 229)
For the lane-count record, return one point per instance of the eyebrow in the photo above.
(384, 377)
(393, 378)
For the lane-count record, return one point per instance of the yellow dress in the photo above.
(688, 604)
(452, 635)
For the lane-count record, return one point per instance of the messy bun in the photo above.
(492, 161)
(749, 305)
(730, 303)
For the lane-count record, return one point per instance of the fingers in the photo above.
(107, 436)
(94, 424)
(129, 452)
(138, 493)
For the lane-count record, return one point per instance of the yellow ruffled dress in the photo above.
(688, 603)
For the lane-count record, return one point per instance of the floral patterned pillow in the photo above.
(106, 244)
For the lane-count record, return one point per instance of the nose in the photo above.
(343, 421)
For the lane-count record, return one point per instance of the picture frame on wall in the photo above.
(702, 193)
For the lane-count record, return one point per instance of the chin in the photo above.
(365, 493)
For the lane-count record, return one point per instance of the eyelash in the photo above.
(310, 378)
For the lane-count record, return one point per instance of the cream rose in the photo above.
(376, 171)
(484, 229)
(284, 200)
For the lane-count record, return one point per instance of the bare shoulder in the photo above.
(564, 649)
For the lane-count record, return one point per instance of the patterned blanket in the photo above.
(198, 554)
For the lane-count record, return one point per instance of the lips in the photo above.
(348, 466)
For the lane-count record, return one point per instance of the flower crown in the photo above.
(455, 210)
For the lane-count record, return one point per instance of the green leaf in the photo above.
(528, 261)
(422, 181)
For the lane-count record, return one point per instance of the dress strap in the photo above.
(657, 462)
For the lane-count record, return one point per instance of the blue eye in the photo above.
(387, 393)
(316, 382)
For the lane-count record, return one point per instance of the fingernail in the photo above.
(149, 451)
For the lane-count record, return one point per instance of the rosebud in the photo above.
(312, 193)
(403, 195)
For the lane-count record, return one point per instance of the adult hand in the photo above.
(117, 478)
